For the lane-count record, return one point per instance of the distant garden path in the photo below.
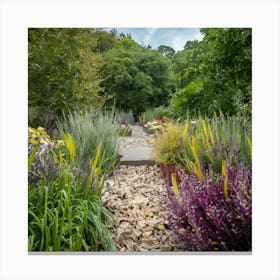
(139, 138)
(136, 196)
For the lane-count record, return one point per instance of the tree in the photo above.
(139, 77)
(166, 51)
(63, 73)
(105, 40)
(215, 73)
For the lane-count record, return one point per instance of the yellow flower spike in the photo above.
(221, 113)
(97, 156)
(204, 142)
(250, 145)
(224, 173)
(175, 186)
(61, 158)
(211, 134)
(70, 145)
(215, 115)
(186, 130)
(204, 127)
(197, 167)
(205, 134)
(40, 129)
(151, 139)
(198, 172)
(55, 158)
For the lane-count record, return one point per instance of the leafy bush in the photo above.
(214, 73)
(165, 112)
(147, 116)
(213, 213)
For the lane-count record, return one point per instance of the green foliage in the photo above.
(139, 77)
(205, 141)
(65, 212)
(90, 128)
(166, 51)
(167, 143)
(155, 125)
(124, 130)
(61, 218)
(105, 39)
(165, 112)
(63, 72)
(124, 117)
(215, 73)
(38, 136)
(148, 115)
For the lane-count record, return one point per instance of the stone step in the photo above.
(136, 156)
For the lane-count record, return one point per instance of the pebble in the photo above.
(139, 209)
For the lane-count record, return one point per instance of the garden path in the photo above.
(135, 150)
(136, 196)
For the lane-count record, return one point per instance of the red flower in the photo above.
(163, 121)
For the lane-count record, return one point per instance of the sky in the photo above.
(172, 37)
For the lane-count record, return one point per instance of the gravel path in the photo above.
(138, 138)
(136, 196)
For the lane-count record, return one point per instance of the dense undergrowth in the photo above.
(66, 177)
(207, 166)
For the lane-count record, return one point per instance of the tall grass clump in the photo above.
(124, 117)
(65, 211)
(63, 216)
(90, 129)
(204, 142)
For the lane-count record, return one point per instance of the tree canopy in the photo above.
(71, 68)
(138, 77)
(215, 73)
(63, 72)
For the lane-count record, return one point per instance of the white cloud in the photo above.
(173, 37)
(199, 36)
(178, 43)
(147, 39)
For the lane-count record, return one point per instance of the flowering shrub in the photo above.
(214, 213)
(43, 163)
(156, 125)
(160, 120)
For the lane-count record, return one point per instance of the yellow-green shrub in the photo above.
(167, 143)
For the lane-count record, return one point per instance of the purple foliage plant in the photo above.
(205, 219)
